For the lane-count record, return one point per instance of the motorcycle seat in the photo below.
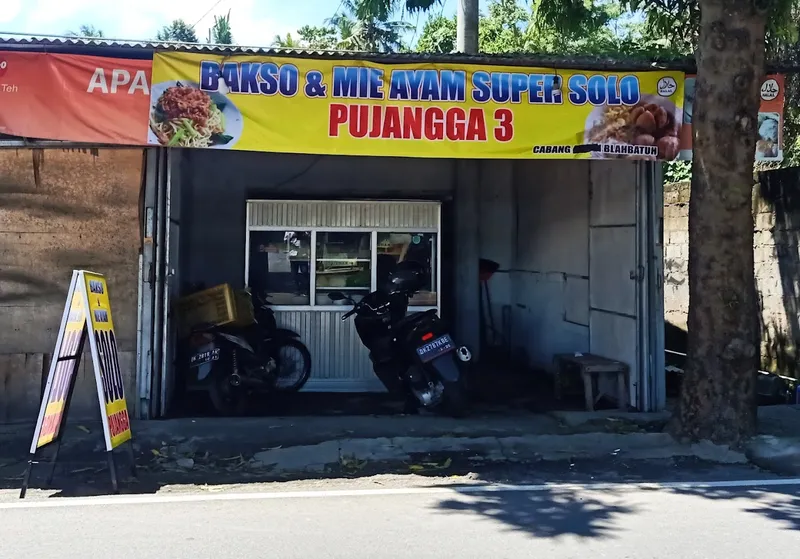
(410, 319)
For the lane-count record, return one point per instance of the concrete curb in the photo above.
(344, 452)
(780, 455)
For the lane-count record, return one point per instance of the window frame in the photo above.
(373, 261)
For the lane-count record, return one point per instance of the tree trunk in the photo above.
(467, 30)
(718, 401)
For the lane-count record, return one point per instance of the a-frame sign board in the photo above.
(87, 315)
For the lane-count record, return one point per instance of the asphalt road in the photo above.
(356, 520)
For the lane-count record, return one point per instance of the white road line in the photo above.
(334, 493)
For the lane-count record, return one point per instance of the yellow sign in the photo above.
(87, 315)
(108, 376)
(278, 104)
(63, 369)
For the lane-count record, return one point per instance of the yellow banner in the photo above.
(288, 105)
(110, 383)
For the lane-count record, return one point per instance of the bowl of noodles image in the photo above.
(653, 122)
(181, 115)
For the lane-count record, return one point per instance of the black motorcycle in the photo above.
(232, 364)
(413, 354)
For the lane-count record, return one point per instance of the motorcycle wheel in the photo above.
(294, 379)
(456, 402)
(228, 400)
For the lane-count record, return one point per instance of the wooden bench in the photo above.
(591, 368)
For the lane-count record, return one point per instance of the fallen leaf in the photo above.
(155, 452)
(416, 468)
(444, 465)
(84, 429)
(352, 463)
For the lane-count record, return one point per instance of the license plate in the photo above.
(435, 348)
(204, 357)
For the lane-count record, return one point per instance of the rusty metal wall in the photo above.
(62, 209)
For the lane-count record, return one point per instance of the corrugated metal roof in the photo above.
(138, 49)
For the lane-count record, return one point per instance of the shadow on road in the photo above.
(547, 514)
(781, 505)
(587, 513)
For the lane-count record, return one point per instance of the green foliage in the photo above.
(288, 42)
(359, 25)
(505, 29)
(220, 33)
(515, 26)
(318, 38)
(362, 25)
(677, 171)
(438, 35)
(89, 31)
(178, 31)
(391, 6)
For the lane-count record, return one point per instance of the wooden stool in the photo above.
(591, 368)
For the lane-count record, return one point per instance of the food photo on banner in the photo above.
(769, 146)
(291, 105)
(110, 384)
(77, 98)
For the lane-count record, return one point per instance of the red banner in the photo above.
(90, 99)
(770, 119)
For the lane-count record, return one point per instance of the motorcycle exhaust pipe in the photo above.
(238, 380)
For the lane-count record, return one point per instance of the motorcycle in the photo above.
(232, 364)
(412, 353)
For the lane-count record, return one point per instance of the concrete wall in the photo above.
(551, 286)
(536, 219)
(776, 222)
(676, 253)
(61, 210)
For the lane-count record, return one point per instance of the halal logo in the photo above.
(770, 90)
(667, 86)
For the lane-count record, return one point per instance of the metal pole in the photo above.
(27, 477)
(467, 34)
(112, 470)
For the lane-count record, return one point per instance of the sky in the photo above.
(254, 22)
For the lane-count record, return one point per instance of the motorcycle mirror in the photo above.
(336, 296)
